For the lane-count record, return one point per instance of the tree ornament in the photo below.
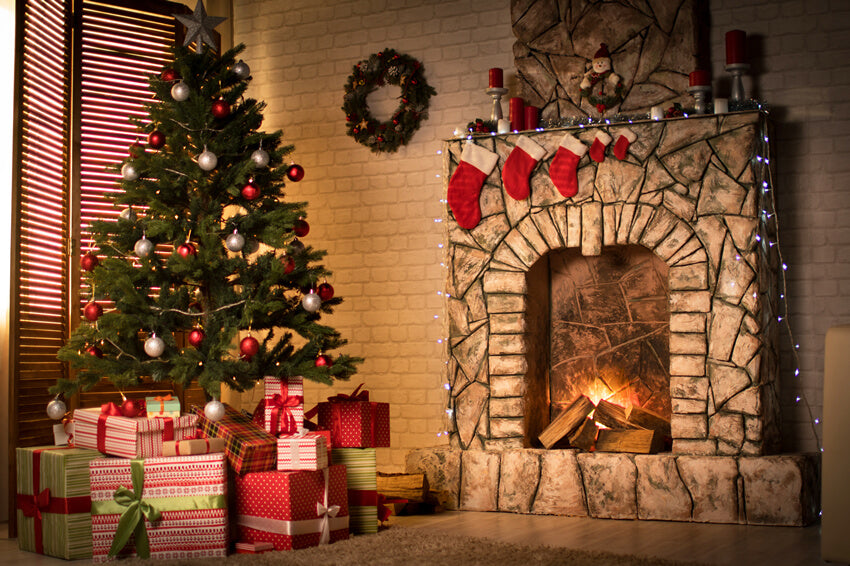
(248, 347)
(296, 246)
(241, 70)
(154, 346)
(56, 408)
(325, 291)
(301, 228)
(295, 172)
(323, 360)
(311, 302)
(94, 351)
(132, 408)
(136, 149)
(199, 27)
(214, 410)
(169, 75)
(89, 261)
(128, 214)
(260, 157)
(288, 265)
(129, 172)
(235, 242)
(220, 108)
(187, 249)
(156, 139)
(207, 160)
(180, 92)
(92, 311)
(196, 336)
(143, 247)
(250, 191)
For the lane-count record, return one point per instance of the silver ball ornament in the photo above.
(214, 410)
(235, 242)
(260, 157)
(154, 346)
(128, 214)
(143, 247)
(129, 172)
(56, 409)
(241, 69)
(207, 160)
(311, 302)
(180, 91)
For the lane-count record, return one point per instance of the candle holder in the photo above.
(737, 70)
(700, 94)
(496, 94)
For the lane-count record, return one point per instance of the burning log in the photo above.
(644, 418)
(635, 441)
(611, 415)
(585, 436)
(567, 421)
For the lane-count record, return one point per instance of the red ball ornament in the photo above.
(156, 139)
(288, 265)
(186, 249)
(137, 149)
(89, 261)
(301, 228)
(94, 351)
(195, 306)
(326, 291)
(295, 172)
(196, 337)
(132, 408)
(220, 108)
(249, 347)
(250, 191)
(323, 361)
(92, 311)
(169, 75)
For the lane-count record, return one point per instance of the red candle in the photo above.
(517, 113)
(699, 78)
(736, 47)
(532, 117)
(496, 78)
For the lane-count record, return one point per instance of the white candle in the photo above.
(503, 126)
(721, 105)
(657, 113)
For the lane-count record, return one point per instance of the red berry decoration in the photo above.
(249, 347)
(289, 265)
(89, 261)
(186, 249)
(196, 337)
(295, 172)
(156, 139)
(323, 361)
(220, 108)
(92, 311)
(301, 228)
(325, 291)
(169, 75)
(250, 191)
(94, 351)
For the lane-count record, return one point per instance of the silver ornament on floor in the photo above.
(260, 157)
(180, 91)
(241, 69)
(207, 160)
(154, 346)
(235, 242)
(214, 410)
(56, 409)
(143, 247)
(311, 302)
(129, 172)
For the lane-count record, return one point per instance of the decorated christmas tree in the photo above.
(204, 277)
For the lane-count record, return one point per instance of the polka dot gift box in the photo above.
(354, 421)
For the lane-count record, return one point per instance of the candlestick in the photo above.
(496, 78)
(496, 94)
(736, 70)
(700, 94)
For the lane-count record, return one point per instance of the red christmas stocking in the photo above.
(518, 166)
(564, 165)
(475, 165)
(597, 150)
(625, 137)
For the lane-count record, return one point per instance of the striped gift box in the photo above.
(248, 447)
(128, 437)
(307, 451)
(283, 399)
(54, 502)
(362, 484)
(189, 492)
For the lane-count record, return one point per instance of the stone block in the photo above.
(689, 426)
(713, 484)
(441, 466)
(470, 353)
(502, 444)
(507, 385)
(506, 344)
(467, 265)
(707, 447)
(507, 323)
(507, 407)
(681, 343)
(529, 231)
(690, 301)
(506, 303)
(688, 278)
(573, 227)
(745, 348)
(726, 381)
(674, 241)
(689, 365)
(519, 477)
(469, 405)
(547, 229)
(560, 491)
(688, 322)
(689, 387)
(680, 205)
(624, 226)
(780, 490)
(728, 427)
(505, 256)
(688, 406)
(505, 282)
(490, 231)
(506, 427)
(747, 402)
(479, 481)
(661, 494)
(609, 483)
(508, 365)
(591, 229)
(609, 224)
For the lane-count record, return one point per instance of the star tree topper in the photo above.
(199, 27)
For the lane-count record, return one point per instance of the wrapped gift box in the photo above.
(354, 421)
(54, 501)
(248, 447)
(362, 482)
(253, 547)
(162, 406)
(283, 404)
(292, 509)
(63, 433)
(187, 493)
(303, 451)
(192, 446)
(138, 437)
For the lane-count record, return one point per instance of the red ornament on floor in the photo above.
(250, 191)
(187, 249)
(220, 108)
(89, 261)
(295, 172)
(249, 347)
(301, 228)
(326, 291)
(156, 139)
(92, 311)
(196, 337)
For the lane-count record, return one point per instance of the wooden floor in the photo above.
(727, 545)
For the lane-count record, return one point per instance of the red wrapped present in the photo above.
(107, 431)
(293, 509)
(248, 447)
(165, 508)
(283, 404)
(302, 451)
(354, 421)
(253, 547)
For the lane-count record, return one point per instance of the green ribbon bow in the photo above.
(132, 519)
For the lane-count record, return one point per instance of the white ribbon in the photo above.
(326, 514)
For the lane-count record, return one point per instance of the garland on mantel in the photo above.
(383, 68)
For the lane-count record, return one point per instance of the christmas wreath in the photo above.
(386, 68)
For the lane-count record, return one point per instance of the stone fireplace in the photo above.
(654, 286)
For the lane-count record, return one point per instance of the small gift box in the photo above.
(292, 509)
(248, 447)
(192, 446)
(54, 501)
(283, 404)
(164, 508)
(303, 451)
(354, 421)
(253, 547)
(162, 406)
(362, 482)
(128, 437)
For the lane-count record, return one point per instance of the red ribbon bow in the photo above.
(356, 396)
(33, 505)
(282, 419)
(111, 410)
(162, 399)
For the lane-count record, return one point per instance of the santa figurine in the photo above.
(601, 85)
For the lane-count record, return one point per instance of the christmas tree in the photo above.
(207, 250)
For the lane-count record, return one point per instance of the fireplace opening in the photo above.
(598, 354)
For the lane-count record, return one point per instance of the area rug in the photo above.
(419, 547)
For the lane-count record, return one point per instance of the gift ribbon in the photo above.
(167, 428)
(362, 497)
(162, 399)
(384, 511)
(295, 448)
(356, 396)
(133, 510)
(282, 418)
